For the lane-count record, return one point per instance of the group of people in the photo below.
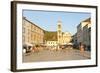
(30, 49)
(37, 48)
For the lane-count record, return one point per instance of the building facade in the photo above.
(26, 32)
(87, 34)
(37, 34)
(84, 32)
(32, 34)
(75, 39)
(80, 30)
(66, 38)
(51, 43)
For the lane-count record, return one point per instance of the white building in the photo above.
(80, 31)
(87, 35)
(84, 32)
(51, 43)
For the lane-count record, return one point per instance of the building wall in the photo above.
(66, 37)
(80, 31)
(86, 35)
(84, 32)
(37, 34)
(51, 43)
(26, 32)
(32, 34)
(75, 39)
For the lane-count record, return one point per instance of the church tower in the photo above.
(59, 32)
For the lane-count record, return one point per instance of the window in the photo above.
(23, 38)
(59, 31)
(59, 26)
(23, 30)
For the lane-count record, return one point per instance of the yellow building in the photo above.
(66, 38)
(32, 34)
(37, 34)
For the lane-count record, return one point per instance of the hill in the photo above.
(50, 35)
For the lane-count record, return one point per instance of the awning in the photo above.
(69, 43)
(27, 44)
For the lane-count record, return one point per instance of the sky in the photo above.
(47, 20)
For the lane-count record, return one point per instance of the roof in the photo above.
(87, 20)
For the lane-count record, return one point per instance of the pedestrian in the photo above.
(33, 49)
(81, 47)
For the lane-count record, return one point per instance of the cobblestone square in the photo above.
(60, 55)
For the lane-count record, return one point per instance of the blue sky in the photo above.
(48, 19)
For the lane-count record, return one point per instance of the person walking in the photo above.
(82, 48)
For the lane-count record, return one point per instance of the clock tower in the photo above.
(59, 32)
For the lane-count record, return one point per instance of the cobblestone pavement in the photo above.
(60, 55)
